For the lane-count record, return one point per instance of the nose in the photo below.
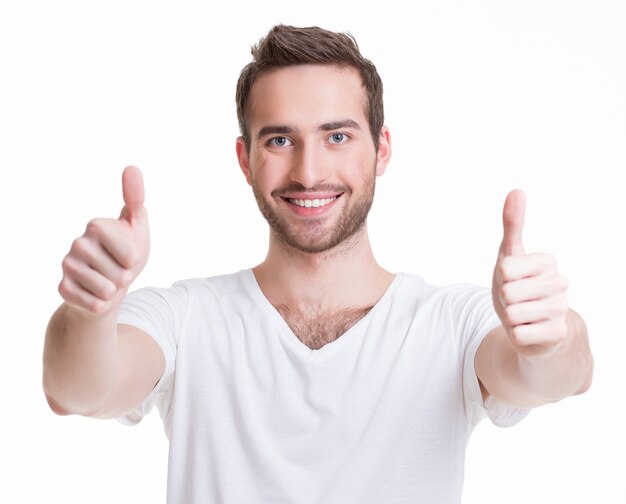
(309, 167)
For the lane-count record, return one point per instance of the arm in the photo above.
(92, 366)
(541, 352)
(526, 381)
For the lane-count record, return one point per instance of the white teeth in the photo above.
(314, 203)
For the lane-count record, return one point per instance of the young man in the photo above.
(317, 376)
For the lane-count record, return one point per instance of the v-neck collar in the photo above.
(290, 338)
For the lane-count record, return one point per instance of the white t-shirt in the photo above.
(380, 415)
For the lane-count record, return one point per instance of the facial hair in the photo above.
(314, 235)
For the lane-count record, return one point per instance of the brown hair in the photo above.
(288, 45)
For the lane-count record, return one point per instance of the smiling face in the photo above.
(312, 162)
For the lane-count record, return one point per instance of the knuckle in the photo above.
(76, 245)
(80, 246)
(70, 266)
(509, 314)
(64, 289)
(503, 270)
(505, 294)
(67, 264)
(97, 306)
(105, 290)
(506, 268)
(94, 226)
(129, 257)
(518, 336)
(125, 278)
(109, 290)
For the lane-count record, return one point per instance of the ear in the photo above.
(242, 156)
(384, 151)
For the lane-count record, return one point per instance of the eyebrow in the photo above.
(285, 130)
(345, 123)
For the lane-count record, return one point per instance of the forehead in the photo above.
(307, 95)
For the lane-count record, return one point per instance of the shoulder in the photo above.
(184, 292)
(413, 287)
(457, 304)
(221, 285)
(228, 292)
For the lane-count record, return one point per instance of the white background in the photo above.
(481, 97)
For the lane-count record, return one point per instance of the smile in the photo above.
(311, 203)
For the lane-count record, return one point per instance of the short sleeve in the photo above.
(160, 313)
(474, 317)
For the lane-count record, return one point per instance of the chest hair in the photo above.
(317, 329)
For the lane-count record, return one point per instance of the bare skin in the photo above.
(312, 164)
(92, 366)
(321, 294)
(309, 297)
(541, 352)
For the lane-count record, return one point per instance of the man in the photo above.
(317, 376)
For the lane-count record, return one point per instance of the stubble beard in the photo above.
(318, 236)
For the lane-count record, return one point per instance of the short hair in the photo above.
(285, 46)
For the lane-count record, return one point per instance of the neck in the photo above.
(347, 276)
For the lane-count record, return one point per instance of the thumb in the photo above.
(513, 222)
(133, 191)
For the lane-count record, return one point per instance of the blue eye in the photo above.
(338, 138)
(280, 141)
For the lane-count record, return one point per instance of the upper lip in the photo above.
(310, 195)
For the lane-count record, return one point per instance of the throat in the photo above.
(318, 329)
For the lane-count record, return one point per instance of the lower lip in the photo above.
(310, 211)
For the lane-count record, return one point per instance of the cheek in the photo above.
(276, 163)
(265, 176)
(356, 167)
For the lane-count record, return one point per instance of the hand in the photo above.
(104, 261)
(529, 294)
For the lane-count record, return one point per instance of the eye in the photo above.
(337, 138)
(279, 142)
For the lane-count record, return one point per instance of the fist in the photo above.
(104, 261)
(529, 294)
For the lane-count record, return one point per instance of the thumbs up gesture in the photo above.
(529, 294)
(104, 261)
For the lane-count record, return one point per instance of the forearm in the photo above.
(81, 360)
(531, 381)
(565, 372)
